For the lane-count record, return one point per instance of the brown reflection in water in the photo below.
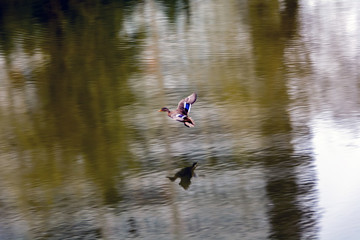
(64, 145)
(73, 147)
(155, 48)
(271, 33)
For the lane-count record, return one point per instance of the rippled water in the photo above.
(84, 153)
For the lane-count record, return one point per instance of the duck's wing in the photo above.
(184, 105)
(189, 122)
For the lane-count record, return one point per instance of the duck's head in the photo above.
(164, 109)
(194, 165)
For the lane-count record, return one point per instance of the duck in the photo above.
(181, 113)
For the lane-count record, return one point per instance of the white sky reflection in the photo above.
(337, 153)
(331, 35)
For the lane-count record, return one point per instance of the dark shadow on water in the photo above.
(185, 175)
(133, 228)
(174, 8)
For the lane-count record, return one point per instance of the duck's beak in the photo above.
(160, 110)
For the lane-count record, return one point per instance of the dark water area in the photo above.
(85, 154)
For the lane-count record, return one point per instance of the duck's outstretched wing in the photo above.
(184, 105)
(189, 122)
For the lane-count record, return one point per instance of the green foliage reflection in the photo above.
(71, 124)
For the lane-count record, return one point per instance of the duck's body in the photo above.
(180, 114)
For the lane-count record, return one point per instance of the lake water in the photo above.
(85, 154)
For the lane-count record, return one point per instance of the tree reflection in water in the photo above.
(84, 152)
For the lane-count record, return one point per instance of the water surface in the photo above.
(85, 153)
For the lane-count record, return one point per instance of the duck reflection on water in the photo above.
(185, 176)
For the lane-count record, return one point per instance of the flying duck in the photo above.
(180, 114)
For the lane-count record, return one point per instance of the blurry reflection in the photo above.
(185, 175)
(133, 227)
(271, 34)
